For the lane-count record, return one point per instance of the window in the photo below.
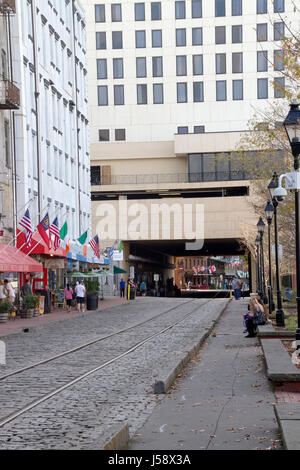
(141, 94)
(140, 39)
(198, 92)
(181, 65)
(103, 135)
(262, 88)
(116, 12)
(199, 129)
(236, 7)
(221, 90)
(198, 64)
(95, 176)
(118, 95)
(220, 63)
(117, 41)
(278, 6)
(118, 68)
(219, 7)
(237, 89)
(120, 134)
(155, 11)
(180, 37)
(141, 68)
(278, 31)
(100, 13)
(182, 130)
(181, 92)
(262, 32)
(180, 10)
(262, 61)
(196, 8)
(278, 60)
(139, 11)
(237, 34)
(237, 62)
(158, 93)
(101, 40)
(101, 69)
(156, 38)
(279, 84)
(220, 34)
(157, 66)
(197, 36)
(102, 96)
(261, 6)
(7, 143)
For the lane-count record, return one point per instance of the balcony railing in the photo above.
(8, 6)
(9, 95)
(173, 178)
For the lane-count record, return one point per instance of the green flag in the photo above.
(63, 231)
(82, 238)
(121, 246)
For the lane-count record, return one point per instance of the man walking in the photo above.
(122, 288)
(80, 294)
(237, 288)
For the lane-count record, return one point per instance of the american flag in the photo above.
(54, 230)
(95, 246)
(26, 223)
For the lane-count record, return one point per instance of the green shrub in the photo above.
(91, 286)
(5, 307)
(30, 301)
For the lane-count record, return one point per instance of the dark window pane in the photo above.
(262, 61)
(278, 31)
(180, 37)
(155, 11)
(102, 96)
(118, 94)
(278, 6)
(181, 65)
(237, 89)
(262, 88)
(237, 34)
(157, 66)
(182, 130)
(262, 32)
(101, 69)
(261, 6)
(196, 8)
(237, 62)
(120, 134)
(156, 38)
(117, 41)
(116, 12)
(197, 36)
(220, 34)
(279, 84)
(198, 92)
(219, 7)
(100, 13)
(118, 68)
(158, 93)
(198, 64)
(141, 94)
(141, 68)
(101, 40)
(139, 11)
(180, 10)
(103, 135)
(181, 93)
(220, 63)
(95, 175)
(221, 90)
(199, 129)
(140, 39)
(236, 7)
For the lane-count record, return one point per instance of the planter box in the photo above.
(3, 317)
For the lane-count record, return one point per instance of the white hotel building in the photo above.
(52, 139)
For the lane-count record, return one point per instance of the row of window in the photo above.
(180, 9)
(198, 92)
(197, 65)
(120, 134)
(196, 38)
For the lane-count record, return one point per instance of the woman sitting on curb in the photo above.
(257, 315)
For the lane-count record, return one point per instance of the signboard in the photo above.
(156, 277)
(118, 256)
(55, 263)
(131, 272)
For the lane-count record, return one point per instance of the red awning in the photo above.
(13, 261)
(38, 246)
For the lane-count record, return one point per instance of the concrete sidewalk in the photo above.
(18, 324)
(222, 401)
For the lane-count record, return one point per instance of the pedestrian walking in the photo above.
(122, 288)
(68, 297)
(80, 295)
(9, 291)
(143, 288)
(2, 293)
(26, 289)
(237, 288)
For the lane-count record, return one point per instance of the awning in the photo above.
(38, 246)
(119, 270)
(14, 261)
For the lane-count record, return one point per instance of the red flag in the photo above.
(42, 227)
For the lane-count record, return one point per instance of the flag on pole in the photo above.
(111, 251)
(26, 223)
(63, 231)
(121, 246)
(42, 227)
(95, 246)
(82, 238)
(54, 230)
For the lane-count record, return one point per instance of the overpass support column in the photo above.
(252, 273)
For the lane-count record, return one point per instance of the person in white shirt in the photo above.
(2, 293)
(10, 291)
(80, 295)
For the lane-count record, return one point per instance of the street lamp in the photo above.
(261, 229)
(269, 212)
(258, 282)
(275, 200)
(292, 128)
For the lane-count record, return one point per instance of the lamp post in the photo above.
(275, 201)
(261, 229)
(292, 128)
(258, 283)
(269, 212)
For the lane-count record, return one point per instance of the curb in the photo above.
(117, 440)
(163, 384)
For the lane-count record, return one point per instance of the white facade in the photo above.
(159, 122)
(52, 141)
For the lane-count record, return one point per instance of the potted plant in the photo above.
(5, 308)
(37, 305)
(92, 288)
(29, 306)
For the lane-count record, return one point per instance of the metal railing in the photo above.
(176, 178)
(9, 95)
(8, 6)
